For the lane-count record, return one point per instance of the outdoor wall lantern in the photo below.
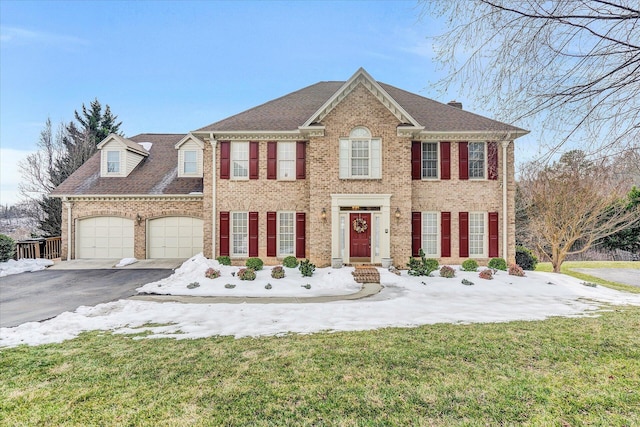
(138, 219)
(398, 214)
(323, 215)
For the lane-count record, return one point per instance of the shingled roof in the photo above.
(289, 112)
(156, 174)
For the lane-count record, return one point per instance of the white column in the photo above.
(505, 209)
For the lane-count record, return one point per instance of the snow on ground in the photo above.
(23, 265)
(325, 281)
(126, 261)
(404, 302)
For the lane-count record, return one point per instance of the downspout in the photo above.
(214, 144)
(69, 229)
(505, 210)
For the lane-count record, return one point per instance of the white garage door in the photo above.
(174, 237)
(105, 237)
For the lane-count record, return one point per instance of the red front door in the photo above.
(360, 236)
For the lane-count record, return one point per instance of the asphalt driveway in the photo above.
(41, 295)
(628, 276)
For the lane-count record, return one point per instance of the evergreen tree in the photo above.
(627, 239)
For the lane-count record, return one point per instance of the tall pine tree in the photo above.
(80, 143)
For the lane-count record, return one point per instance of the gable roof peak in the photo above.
(361, 76)
(130, 145)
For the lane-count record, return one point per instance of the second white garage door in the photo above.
(174, 237)
(105, 237)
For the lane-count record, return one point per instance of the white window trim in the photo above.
(429, 178)
(278, 160)
(279, 253)
(486, 158)
(232, 248)
(485, 235)
(184, 163)
(232, 175)
(346, 162)
(121, 159)
(438, 234)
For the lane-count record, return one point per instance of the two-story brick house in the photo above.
(337, 172)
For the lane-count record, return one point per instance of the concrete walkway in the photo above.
(368, 289)
(107, 264)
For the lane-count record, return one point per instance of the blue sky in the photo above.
(176, 66)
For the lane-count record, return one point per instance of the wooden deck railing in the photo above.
(48, 248)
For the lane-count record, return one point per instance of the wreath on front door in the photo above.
(360, 225)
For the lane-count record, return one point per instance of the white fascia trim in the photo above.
(257, 135)
(114, 197)
(361, 76)
(471, 135)
(187, 138)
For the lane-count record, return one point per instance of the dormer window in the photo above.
(113, 162)
(190, 165)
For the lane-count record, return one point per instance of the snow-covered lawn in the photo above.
(23, 265)
(405, 301)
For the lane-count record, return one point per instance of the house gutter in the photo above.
(505, 210)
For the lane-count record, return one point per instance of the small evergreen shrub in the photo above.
(306, 268)
(290, 262)
(246, 274)
(470, 265)
(212, 273)
(254, 263)
(277, 272)
(224, 260)
(487, 274)
(498, 264)
(422, 266)
(447, 272)
(525, 258)
(516, 270)
(7, 248)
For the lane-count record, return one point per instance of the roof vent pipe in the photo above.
(455, 103)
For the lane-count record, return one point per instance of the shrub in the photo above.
(422, 266)
(7, 248)
(516, 270)
(470, 265)
(277, 272)
(212, 273)
(246, 274)
(447, 272)
(306, 268)
(224, 260)
(254, 263)
(487, 274)
(525, 258)
(290, 261)
(498, 264)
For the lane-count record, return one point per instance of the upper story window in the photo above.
(477, 160)
(360, 156)
(190, 163)
(286, 160)
(429, 160)
(113, 162)
(240, 160)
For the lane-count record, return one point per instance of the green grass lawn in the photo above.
(568, 266)
(558, 372)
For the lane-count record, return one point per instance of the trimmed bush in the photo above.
(470, 265)
(516, 270)
(7, 248)
(447, 272)
(254, 263)
(290, 262)
(525, 258)
(212, 273)
(487, 274)
(498, 264)
(306, 268)
(246, 274)
(422, 266)
(224, 260)
(277, 272)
